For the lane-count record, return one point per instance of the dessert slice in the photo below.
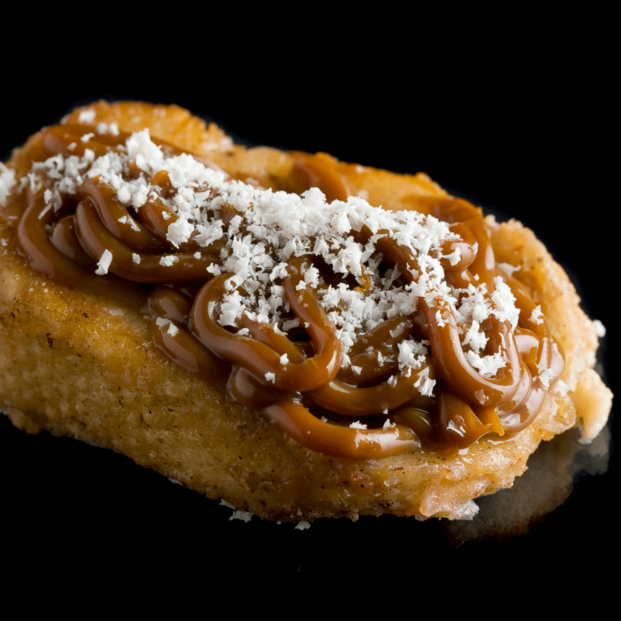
(250, 323)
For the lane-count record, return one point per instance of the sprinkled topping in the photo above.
(260, 230)
(244, 516)
(425, 383)
(411, 354)
(600, 328)
(7, 182)
(545, 378)
(86, 116)
(475, 337)
(130, 221)
(454, 256)
(537, 316)
(112, 129)
(104, 263)
(168, 260)
(172, 328)
(358, 425)
(561, 388)
(487, 366)
(508, 268)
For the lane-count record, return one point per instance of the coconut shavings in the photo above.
(487, 366)
(7, 183)
(545, 378)
(425, 383)
(600, 328)
(508, 268)
(112, 129)
(168, 260)
(86, 116)
(358, 425)
(104, 263)
(267, 228)
(162, 323)
(536, 316)
(244, 516)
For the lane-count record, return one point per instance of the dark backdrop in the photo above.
(523, 146)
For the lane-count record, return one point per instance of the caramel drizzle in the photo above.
(66, 244)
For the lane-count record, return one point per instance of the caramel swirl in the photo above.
(96, 238)
(297, 378)
(259, 358)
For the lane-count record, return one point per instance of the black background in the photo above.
(78, 521)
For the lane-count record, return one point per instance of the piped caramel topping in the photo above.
(362, 333)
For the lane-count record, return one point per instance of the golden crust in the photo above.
(76, 366)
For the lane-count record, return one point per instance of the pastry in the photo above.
(250, 323)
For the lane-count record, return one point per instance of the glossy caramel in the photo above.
(311, 398)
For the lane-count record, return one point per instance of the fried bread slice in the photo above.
(77, 365)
